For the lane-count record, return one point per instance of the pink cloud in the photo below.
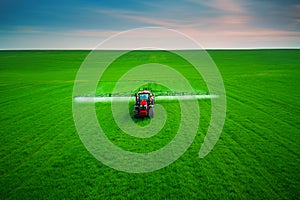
(232, 6)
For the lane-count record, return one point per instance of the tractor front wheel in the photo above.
(151, 113)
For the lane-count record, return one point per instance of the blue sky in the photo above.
(214, 24)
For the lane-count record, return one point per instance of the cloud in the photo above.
(136, 16)
(230, 6)
(214, 23)
(31, 30)
(154, 21)
(90, 33)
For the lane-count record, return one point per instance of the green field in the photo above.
(256, 157)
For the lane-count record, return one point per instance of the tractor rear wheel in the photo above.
(151, 113)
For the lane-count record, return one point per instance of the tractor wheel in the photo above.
(151, 113)
(136, 112)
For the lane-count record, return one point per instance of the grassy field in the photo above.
(257, 156)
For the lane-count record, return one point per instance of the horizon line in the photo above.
(230, 48)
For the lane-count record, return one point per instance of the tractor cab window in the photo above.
(144, 96)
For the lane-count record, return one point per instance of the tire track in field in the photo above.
(34, 117)
(284, 141)
(31, 91)
(29, 126)
(42, 142)
(30, 108)
(273, 169)
(271, 101)
(52, 157)
(282, 91)
(263, 154)
(274, 94)
(258, 110)
(21, 90)
(252, 104)
(32, 136)
(264, 103)
(248, 168)
(280, 141)
(263, 172)
(26, 105)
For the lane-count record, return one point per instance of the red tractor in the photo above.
(144, 104)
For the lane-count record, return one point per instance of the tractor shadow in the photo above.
(141, 121)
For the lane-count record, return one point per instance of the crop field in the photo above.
(256, 157)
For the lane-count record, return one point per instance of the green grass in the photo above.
(257, 156)
(138, 58)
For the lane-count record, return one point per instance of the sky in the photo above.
(83, 24)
